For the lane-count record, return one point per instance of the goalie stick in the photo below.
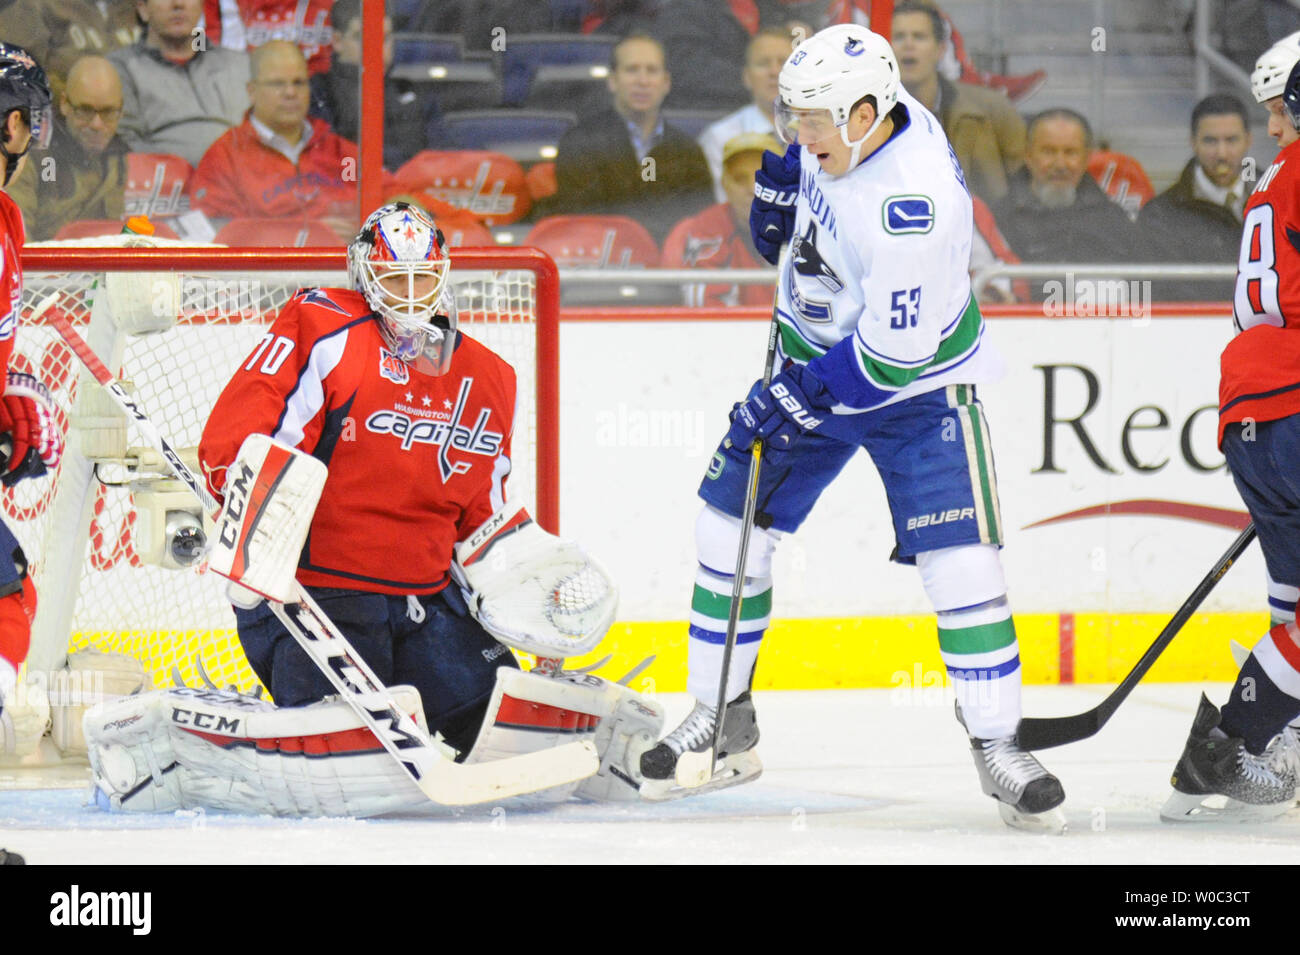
(1045, 733)
(438, 777)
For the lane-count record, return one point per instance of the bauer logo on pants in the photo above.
(941, 517)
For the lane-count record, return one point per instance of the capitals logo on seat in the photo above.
(908, 214)
(393, 368)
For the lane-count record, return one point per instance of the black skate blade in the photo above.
(731, 771)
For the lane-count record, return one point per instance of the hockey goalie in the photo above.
(360, 455)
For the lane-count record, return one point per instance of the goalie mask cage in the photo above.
(77, 529)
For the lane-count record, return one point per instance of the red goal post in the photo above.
(87, 533)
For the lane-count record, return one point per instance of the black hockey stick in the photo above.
(690, 770)
(1059, 730)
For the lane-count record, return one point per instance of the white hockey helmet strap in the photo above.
(832, 71)
(1273, 67)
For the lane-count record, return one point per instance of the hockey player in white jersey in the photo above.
(879, 348)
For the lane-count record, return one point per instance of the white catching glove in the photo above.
(534, 591)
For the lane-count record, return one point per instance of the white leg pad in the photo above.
(213, 749)
(529, 712)
(89, 677)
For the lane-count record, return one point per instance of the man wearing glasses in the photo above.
(278, 164)
(82, 174)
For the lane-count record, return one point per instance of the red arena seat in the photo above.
(155, 185)
(489, 185)
(93, 228)
(283, 233)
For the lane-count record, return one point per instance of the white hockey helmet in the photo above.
(1273, 67)
(399, 262)
(826, 75)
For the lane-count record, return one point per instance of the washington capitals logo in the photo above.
(393, 368)
(445, 434)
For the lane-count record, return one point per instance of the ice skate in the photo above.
(1217, 778)
(679, 765)
(1028, 796)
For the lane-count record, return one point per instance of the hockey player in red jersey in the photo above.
(414, 420)
(30, 441)
(1244, 761)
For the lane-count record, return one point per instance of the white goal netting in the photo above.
(80, 529)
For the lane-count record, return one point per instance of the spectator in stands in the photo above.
(277, 163)
(1198, 218)
(1054, 211)
(83, 174)
(718, 237)
(179, 94)
(412, 120)
(764, 57)
(59, 32)
(985, 130)
(627, 160)
(245, 25)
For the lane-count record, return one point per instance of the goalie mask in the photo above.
(399, 262)
(825, 76)
(23, 87)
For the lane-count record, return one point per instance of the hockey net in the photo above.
(80, 529)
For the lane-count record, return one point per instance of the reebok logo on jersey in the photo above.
(940, 517)
(393, 368)
(904, 215)
(445, 435)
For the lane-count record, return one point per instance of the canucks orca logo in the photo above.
(808, 261)
(904, 215)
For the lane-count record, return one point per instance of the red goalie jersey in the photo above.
(1260, 368)
(416, 462)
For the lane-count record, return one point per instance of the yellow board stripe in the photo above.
(821, 653)
(864, 652)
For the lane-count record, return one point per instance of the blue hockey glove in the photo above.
(795, 403)
(771, 214)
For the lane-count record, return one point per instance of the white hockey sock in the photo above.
(710, 608)
(1281, 602)
(979, 648)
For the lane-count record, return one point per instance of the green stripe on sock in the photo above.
(980, 639)
(718, 607)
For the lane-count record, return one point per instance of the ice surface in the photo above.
(851, 776)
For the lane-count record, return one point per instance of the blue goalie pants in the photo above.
(438, 648)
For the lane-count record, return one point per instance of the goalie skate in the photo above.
(1218, 779)
(679, 765)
